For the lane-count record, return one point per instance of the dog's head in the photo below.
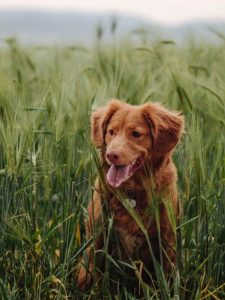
(131, 134)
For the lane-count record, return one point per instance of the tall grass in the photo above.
(47, 166)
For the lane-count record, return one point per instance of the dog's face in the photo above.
(132, 134)
(127, 142)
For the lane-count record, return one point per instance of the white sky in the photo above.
(165, 11)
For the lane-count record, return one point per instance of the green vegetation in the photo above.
(47, 170)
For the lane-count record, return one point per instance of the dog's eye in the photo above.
(111, 132)
(136, 134)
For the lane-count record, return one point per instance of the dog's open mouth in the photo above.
(117, 174)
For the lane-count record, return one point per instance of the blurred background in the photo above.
(77, 21)
(58, 61)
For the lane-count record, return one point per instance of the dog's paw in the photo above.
(84, 279)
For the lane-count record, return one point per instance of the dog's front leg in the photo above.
(168, 237)
(86, 268)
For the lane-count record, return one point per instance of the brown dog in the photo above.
(136, 144)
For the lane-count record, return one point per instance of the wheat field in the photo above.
(48, 165)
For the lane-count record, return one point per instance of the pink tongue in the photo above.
(117, 175)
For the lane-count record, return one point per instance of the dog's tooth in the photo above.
(133, 162)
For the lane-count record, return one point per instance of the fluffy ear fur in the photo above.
(166, 127)
(99, 121)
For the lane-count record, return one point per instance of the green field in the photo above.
(47, 170)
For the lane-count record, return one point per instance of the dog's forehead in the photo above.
(128, 116)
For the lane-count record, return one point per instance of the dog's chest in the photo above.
(126, 227)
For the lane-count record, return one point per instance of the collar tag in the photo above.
(131, 202)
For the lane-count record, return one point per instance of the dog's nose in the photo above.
(113, 157)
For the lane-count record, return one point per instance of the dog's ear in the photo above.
(166, 127)
(99, 121)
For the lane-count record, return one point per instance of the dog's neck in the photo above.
(139, 194)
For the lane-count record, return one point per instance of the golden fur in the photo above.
(144, 136)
